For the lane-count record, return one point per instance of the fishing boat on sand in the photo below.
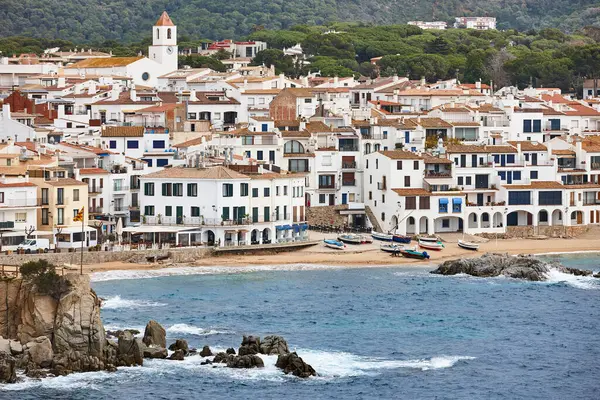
(431, 245)
(334, 244)
(414, 254)
(351, 238)
(391, 248)
(386, 237)
(468, 245)
(401, 239)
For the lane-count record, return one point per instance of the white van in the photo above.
(33, 245)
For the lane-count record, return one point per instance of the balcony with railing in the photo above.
(349, 165)
(15, 203)
(5, 225)
(381, 185)
(348, 147)
(438, 174)
(120, 188)
(94, 189)
(96, 210)
(349, 182)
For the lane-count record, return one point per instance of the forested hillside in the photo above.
(84, 21)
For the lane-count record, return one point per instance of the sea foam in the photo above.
(329, 365)
(580, 282)
(116, 302)
(194, 330)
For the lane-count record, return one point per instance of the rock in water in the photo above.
(230, 350)
(180, 344)
(492, 264)
(39, 352)
(155, 352)
(273, 345)
(292, 364)
(177, 355)
(155, 335)
(247, 361)
(8, 370)
(130, 350)
(223, 358)
(206, 352)
(250, 346)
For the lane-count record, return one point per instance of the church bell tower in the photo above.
(164, 43)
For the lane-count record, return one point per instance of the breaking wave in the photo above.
(116, 302)
(579, 282)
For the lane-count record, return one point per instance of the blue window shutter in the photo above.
(265, 127)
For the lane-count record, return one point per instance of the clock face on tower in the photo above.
(169, 50)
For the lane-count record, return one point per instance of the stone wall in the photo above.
(557, 231)
(179, 255)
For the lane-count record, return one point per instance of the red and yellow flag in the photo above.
(79, 216)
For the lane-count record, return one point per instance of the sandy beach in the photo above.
(371, 255)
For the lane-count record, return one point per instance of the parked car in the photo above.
(33, 245)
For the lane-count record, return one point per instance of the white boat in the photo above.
(431, 245)
(391, 248)
(334, 244)
(386, 237)
(351, 238)
(468, 245)
(434, 239)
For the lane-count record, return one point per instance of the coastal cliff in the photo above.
(60, 333)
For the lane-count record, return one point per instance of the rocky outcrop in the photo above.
(492, 264)
(206, 352)
(155, 352)
(8, 368)
(180, 344)
(273, 345)
(38, 352)
(178, 355)
(250, 346)
(130, 350)
(233, 361)
(291, 363)
(155, 335)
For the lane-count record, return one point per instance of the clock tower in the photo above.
(164, 43)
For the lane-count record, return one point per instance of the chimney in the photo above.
(245, 83)
(6, 112)
(347, 119)
(272, 70)
(396, 93)
(133, 93)
(193, 95)
(395, 78)
(519, 151)
(77, 89)
(61, 82)
(423, 81)
(92, 87)
(478, 85)
(305, 81)
(114, 92)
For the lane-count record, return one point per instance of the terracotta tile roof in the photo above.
(17, 184)
(159, 108)
(164, 20)
(191, 142)
(564, 152)
(591, 146)
(530, 99)
(123, 131)
(583, 186)
(218, 172)
(260, 91)
(527, 145)
(65, 182)
(245, 132)
(317, 126)
(287, 122)
(375, 83)
(13, 171)
(466, 148)
(555, 98)
(429, 122)
(474, 86)
(9, 156)
(274, 175)
(91, 149)
(537, 185)
(582, 111)
(501, 149)
(429, 159)
(108, 62)
(93, 171)
(263, 119)
(295, 134)
(307, 154)
(401, 155)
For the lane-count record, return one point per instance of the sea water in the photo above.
(390, 333)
